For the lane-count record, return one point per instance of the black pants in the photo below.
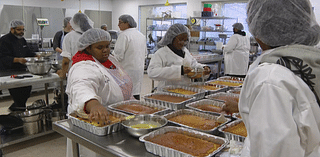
(137, 97)
(20, 96)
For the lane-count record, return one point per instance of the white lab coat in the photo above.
(236, 55)
(165, 66)
(130, 50)
(69, 44)
(280, 112)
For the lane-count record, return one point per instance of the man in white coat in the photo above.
(236, 53)
(130, 50)
(279, 100)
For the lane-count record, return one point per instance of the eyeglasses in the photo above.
(19, 29)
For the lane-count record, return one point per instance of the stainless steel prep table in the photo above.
(116, 144)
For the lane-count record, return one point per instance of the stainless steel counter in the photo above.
(116, 144)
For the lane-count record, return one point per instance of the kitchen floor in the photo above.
(52, 145)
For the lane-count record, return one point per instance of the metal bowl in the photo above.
(44, 53)
(160, 121)
(31, 115)
(39, 67)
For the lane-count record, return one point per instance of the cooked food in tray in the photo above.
(111, 120)
(138, 108)
(182, 91)
(238, 129)
(226, 83)
(184, 143)
(168, 98)
(231, 78)
(207, 87)
(210, 107)
(231, 101)
(195, 121)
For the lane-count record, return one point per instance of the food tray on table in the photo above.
(210, 89)
(222, 95)
(200, 105)
(101, 131)
(236, 116)
(203, 116)
(161, 150)
(230, 84)
(171, 105)
(231, 78)
(234, 90)
(161, 110)
(197, 92)
(232, 136)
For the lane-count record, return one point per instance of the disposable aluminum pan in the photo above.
(217, 95)
(162, 110)
(221, 88)
(234, 91)
(230, 84)
(236, 116)
(170, 105)
(169, 152)
(100, 131)
(229, 135)
(200, 93)
(196, 104)
(231, 78)
(194, 113)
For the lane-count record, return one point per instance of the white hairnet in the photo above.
(16, 23)
(238, 26)
(173, 31)
(283, 22)
(104, 25)
(81, 22)
(66, 20)
(91, 36)
(129, 19)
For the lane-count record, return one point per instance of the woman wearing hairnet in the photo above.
(80, 22)
(96, 79)
(236, 53)
(130, 50)
(172, 60)
(279, 99)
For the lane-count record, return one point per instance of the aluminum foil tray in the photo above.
(170, 105)
(234, 90)
(196, 104)
(194, 113)
(229, 135)
(236, 116)
(101, 131)
(238, 84)
(221, 88)
(200, 93)
(163, 109)
(216, 95)
(231, 78)
(169, 152)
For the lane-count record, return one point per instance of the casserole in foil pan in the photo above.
(199, 93)
(161, 109)
(234, 90)
(200, 106)
(198, 114)
(170, 105)
(230, 84)
(101, 131)
(231, 136)
(231, 78)
(170, 152)
(217, 96)
(210, 89)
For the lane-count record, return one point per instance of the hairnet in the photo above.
(238, 26)
(16, 23)
(173, 31)
(129, 19)
(283, 22)
(104, 25)
(66, 20)
(92, 36)
(81, 22)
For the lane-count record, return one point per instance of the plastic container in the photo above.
(207, 5)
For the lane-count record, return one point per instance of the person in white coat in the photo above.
(236, 53)
(95, 80)
(130, 50)
(173, 60)
(80, 23)
(279, 100)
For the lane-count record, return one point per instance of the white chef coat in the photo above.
(236, 55)
(69, 44)
(165, 66)
(130, 50)
(280, 113)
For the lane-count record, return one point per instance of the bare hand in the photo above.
(186, 70)
(61, 74)
(22, 60)
(97, 112)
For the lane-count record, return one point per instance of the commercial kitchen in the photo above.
(198, 110)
